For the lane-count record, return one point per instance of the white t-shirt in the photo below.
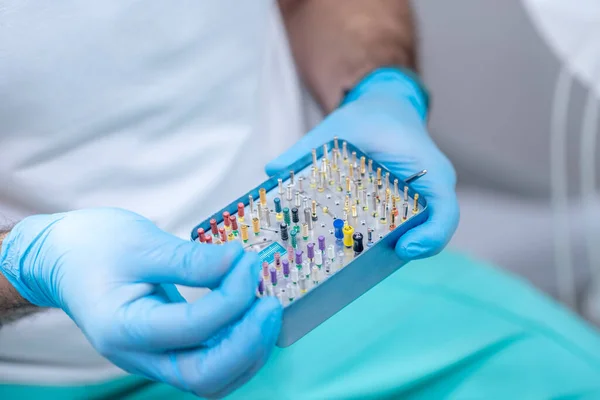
(169, 109)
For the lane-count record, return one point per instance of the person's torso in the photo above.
(170, 109)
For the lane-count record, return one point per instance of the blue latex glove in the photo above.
(384, 115)
(112, 271)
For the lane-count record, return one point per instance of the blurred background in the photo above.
(493, 68)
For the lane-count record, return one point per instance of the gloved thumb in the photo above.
(313, 139)
(187, 263)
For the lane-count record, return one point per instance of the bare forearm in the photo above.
(337, 42)
(12, 304)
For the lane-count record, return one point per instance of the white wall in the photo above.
(492, 78)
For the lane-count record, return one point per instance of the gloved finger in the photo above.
(241, 380)
(432, 236)
(249, 343)
(187, 263)
(170, 293)
(437, 187)
(207, 371)
(152, 324)
(313, 139)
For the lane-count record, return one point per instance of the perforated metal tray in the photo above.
(337, 286)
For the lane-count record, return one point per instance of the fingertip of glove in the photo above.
(270, 310)
(408, 251)
(274, 167)
(255, 266)
(233, 247)
(269, 305)
(285, 160)
(232, 250)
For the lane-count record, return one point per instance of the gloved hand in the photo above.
(384, 116)
(112, 271)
